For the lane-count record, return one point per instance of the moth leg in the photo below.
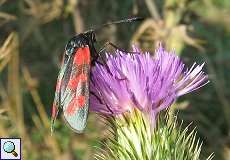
(108, 43)
(108, 70)
(99, 55)
(99, 99)
(102, 62)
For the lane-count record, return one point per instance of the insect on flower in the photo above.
(72, 88)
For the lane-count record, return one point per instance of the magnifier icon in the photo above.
(9, 147)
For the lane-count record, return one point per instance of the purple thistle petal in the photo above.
(141, 81)
(193, 79)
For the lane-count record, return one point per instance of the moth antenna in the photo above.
(127, 20)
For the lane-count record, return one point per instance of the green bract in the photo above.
(133, 138)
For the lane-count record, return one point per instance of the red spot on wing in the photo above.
(54, 111)
(76, 103)
(87, 56)
(73, 83)
(81, 101)
(82, 56)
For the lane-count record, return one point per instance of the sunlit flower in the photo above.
(141, 81)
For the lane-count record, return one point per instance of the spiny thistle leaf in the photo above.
(134, 138)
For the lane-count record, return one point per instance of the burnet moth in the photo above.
(72, 88)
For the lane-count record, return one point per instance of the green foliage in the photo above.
(133, 138)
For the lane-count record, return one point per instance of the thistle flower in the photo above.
(141, 81)
(135, 87)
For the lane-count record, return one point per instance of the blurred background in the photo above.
(33, 37)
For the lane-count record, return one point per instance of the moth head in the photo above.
(90, 36)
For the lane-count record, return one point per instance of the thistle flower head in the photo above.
(143, 85)
(141, 81)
